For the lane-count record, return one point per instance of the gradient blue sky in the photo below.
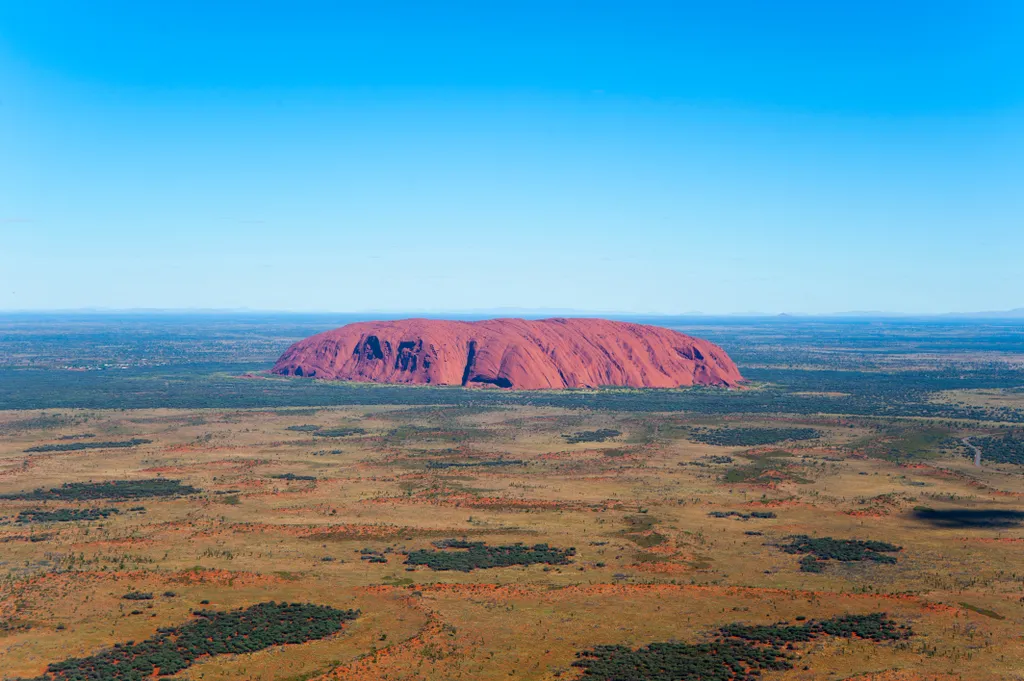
(721, 157)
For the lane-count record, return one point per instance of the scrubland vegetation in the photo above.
(750, 437)
(464, 556)
(441, 534)
(209, 633)
(113, 489)
(739, 652)
(76, 446)
(1006, 448)
(65, 515)
(820, 549)
(599, 435)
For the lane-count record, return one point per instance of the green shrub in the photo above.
(464, 556)
(75, 446)
(113, 489)
(174, 649)
(64, 515)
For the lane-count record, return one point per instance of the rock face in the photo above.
(511, 353)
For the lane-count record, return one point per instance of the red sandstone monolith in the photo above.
(511, 353)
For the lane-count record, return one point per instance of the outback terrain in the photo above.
(171, 509)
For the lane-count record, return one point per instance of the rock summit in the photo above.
(511, 353)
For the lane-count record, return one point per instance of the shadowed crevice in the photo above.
(372, 348)
(470, 360)
(500, 381)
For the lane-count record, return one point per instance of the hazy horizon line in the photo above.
(1014, 313)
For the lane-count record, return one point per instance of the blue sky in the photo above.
(801, 157)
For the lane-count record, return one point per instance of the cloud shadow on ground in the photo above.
(964, 518)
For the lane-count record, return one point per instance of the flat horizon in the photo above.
(529, 313)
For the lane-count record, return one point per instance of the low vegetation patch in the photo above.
(646, 541)
(75, 446)
(641, 532)
(750, 437)
(464, 556)
(475, 464)
(742, 516)
(1008, 448)
(873, 627)
(640, 522)
(982, 611)
(113, 489)
(770, 467)
(173, 649)
(35, 538)
(738, 652)
(293, 476)
(64, 515)
(138, 596)
(820, 549)
(718, 661)
(338, 432)
(599, 435)
(900, 444)
(305, 428)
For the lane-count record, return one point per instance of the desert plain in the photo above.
(509, 537)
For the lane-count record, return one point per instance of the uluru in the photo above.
(511, 353)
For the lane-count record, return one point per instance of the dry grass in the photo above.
(650, 563)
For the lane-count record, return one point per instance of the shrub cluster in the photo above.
(64, 515)
(292, 476)
(173, 649)
(874, 627)
(1006, 449)
(742, 516)
(738, 653)
(820, 549)
(113, 489)
(138, 596)
(796, 391)
(750, 437)
(477, 555)
(599, 435)
(718, 661)
(338, 432)
(475, 464)
(75, 446)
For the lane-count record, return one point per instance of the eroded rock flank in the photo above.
(511, 353)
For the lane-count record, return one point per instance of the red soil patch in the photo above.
(463, 500)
